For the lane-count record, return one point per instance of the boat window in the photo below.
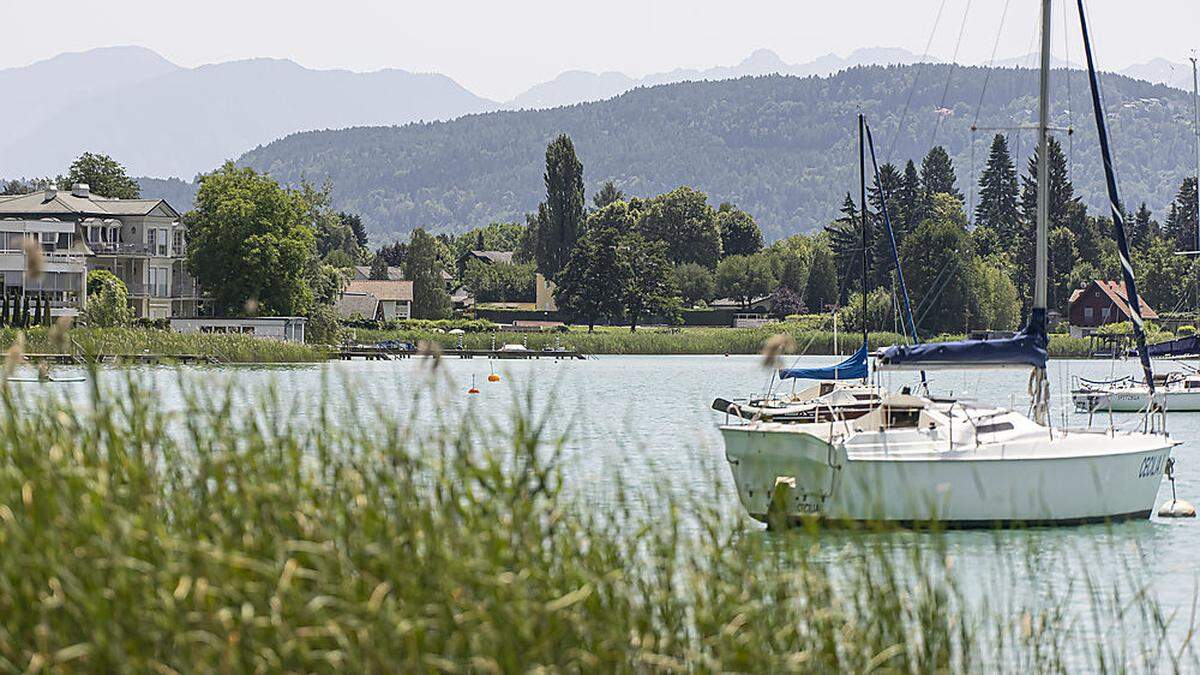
(870, 397)
(993, 428)
(826, 387)
(903, 418)
(1192, 384)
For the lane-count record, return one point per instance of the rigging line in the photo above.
(962, 29)
(1070, 119)
(987, 75)
(916, 78)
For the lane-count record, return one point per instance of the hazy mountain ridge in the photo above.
(579, 86)
(180, 121)
(780, 147)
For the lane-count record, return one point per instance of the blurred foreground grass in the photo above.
(236, 538)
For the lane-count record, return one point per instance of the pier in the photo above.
(372, 353)
(145, 358)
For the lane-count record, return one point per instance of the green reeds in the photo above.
(236, 535)
(106, 342)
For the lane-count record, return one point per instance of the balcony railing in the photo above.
(122, 248)
(141, 290)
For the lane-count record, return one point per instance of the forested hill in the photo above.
(782, 148)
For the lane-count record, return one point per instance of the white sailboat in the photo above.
(919, 458)
(1173, 392)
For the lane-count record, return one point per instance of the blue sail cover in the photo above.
(1025, 349)
(853, 368)
(1184, 346)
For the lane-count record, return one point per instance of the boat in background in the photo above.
(1173, 392)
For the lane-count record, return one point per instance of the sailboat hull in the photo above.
(812, 474)
(1135, 399)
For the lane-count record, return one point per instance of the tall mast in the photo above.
(1196, 131)
(862, 187)
(1043, 174)
(1118, 213)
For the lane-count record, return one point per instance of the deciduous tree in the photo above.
(423, 267)
(103, 176)
(683, 220)
(739, 233)
(248, 239)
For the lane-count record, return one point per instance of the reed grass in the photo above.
(244, 538)
(689, 340)
(226, 348)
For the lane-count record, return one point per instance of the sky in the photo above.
(498, 49)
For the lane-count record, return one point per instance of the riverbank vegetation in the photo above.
(688, 340)
(232, 538)
(99, 343)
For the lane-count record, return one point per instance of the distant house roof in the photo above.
(363, 273)
(362, 304)
(490, 257)
(64, 203)
(383, 290)
(1115, 290)
(731, 303)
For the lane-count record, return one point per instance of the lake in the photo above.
(646, 420)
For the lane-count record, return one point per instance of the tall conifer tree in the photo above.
(559, 219)
(997, 216)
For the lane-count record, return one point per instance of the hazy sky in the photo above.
(498, 48)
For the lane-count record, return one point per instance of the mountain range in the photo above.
(161, 119)
(782, 148)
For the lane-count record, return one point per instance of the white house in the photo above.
(284, 328)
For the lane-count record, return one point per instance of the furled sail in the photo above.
(1025, 349)
(853, 368)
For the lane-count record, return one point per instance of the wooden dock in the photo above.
(371, 353)
(144, 358)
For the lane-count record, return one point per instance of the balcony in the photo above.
(134, 249)
(138, 289)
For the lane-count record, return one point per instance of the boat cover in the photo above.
(1026, 348)
(1184, 346)
(853, 368)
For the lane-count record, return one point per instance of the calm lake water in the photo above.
(647, 419)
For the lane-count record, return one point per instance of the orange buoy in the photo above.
(493, 378)
(473, 390)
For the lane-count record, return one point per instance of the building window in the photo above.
(159, 282)
(1088, 313)
(48, 240)
(1104, 312)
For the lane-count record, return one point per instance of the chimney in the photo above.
(80, 190)
(51, 193)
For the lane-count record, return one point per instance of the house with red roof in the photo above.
(1101, 302)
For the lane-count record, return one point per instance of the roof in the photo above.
(1115, 290)
(363, 273)
(363, 304)
(65, 203)
(384, 290)
(503, 257)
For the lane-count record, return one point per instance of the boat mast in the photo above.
(1118, 213)
(862, 187)
(1037, 319)
(1043, 173)
(1196, 131)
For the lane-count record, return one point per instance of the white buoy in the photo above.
(1176, 508)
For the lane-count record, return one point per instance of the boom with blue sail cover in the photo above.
(853, 368)
(1023, 350)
